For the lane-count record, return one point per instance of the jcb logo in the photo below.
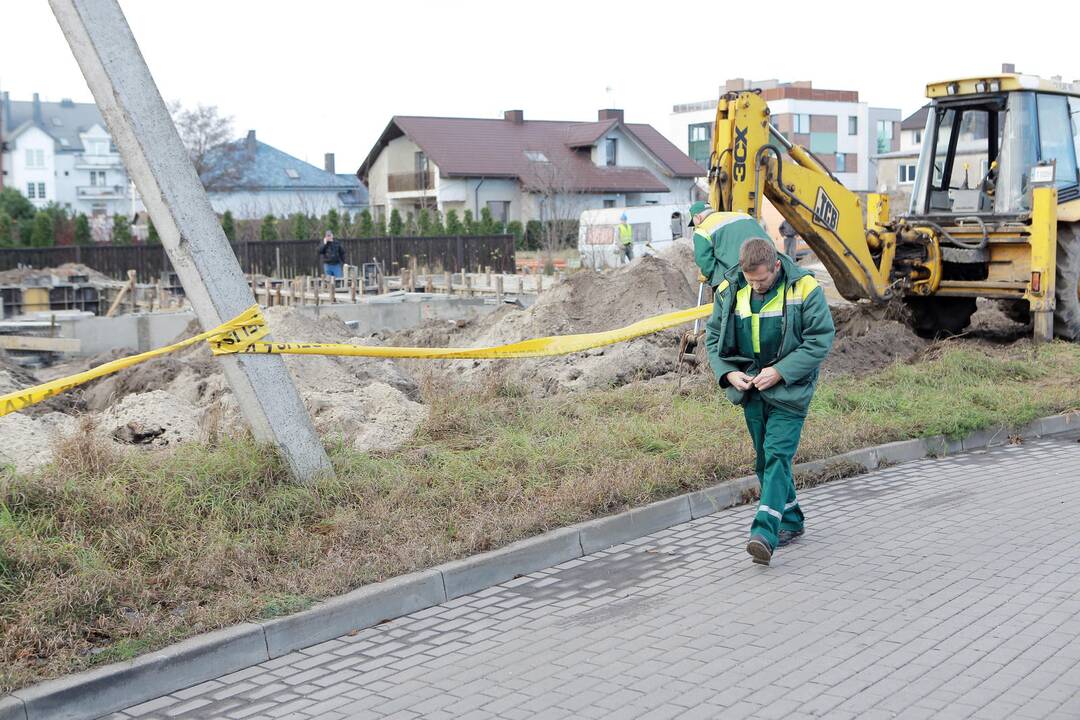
(739, 171)
(825, 213)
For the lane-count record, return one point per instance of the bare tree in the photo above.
(556, 184)
(207, 135)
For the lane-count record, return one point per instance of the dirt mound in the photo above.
(869, 338)
(585, 302)
(681, 254)
(63, 273)
(28, 441)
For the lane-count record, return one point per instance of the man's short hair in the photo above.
(757, 252)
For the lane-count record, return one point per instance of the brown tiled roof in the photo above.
(495, 148)
(916, 120)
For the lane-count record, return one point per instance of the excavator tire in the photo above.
(1067, 305)
(934, 317)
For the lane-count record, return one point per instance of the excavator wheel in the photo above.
(1067, 305)
(934, 317)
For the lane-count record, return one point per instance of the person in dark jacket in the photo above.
(332, 255)
(766, 340)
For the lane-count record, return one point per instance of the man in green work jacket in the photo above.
(765, 341)
(717, 239)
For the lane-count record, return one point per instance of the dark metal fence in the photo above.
(285, 258)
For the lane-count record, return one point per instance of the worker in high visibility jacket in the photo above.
(717, 239)
(765, 341)
(626, 238)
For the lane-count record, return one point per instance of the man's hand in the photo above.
(766, 378)
(739, 380)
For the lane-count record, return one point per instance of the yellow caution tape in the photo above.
(243, 333)
(246, 327)
(537, 347)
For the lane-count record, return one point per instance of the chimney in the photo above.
(328, 162)
(38, 119)
(67, 102)
(610, 114)
(1008, 68)
(249, 143)
(735, 85)
(515, 116)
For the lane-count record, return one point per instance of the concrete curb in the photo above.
(91, 694)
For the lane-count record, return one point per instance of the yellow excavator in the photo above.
(1011, 232)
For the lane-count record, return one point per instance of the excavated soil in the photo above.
(585, 302)
(184, 397)
(19, 276)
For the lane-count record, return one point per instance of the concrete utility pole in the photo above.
(157, 161)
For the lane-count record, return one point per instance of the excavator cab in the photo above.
(981, 150)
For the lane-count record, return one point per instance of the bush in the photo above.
(121, 230)
(469, 224)
(453, 224)
(42, 233)
(332, 222)
(7, 230)
(152, 237)
(396, 226)
(365, 226)
(268, 231)
(82, 230)
(15, 205)
(300, 227)
(228, 225)
(437, 227)
(534, 235)
(423, 222)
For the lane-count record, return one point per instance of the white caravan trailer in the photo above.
(655, 227)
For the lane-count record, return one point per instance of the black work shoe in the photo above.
(788, 536)
(759, 549)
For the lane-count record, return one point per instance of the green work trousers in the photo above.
(775, 433)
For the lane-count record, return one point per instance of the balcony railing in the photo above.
(101, 191)
(411, 181)
(82, 160)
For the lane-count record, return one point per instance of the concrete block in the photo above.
(866, 458)
(714, 499)
(902, 451)
(1057, 424)
(605, 532)
(1032, 429)
(360, 608)
(113, 687)
(12, 708)
(982, 439)
(941, 446)
(462, 577)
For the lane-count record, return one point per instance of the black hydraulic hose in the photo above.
(979, 245)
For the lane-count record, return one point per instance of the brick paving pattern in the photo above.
(937, 589)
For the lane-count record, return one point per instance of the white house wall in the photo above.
(33, 138)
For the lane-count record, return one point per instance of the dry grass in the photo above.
(103, 556)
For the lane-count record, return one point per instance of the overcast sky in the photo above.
(319, 76)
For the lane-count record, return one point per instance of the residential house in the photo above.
(523, 169)
(843, 132)
(252, 179)
(60, 152)
(896, 170)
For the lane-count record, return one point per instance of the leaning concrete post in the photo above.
(139, 123)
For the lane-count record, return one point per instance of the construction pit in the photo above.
(377, 404)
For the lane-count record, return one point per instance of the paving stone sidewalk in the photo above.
(937, 589)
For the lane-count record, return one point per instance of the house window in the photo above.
(609, 203)
(916, 137)
(802, 123)
(35, 158)
(30, 187)
(612, 145)
(841, 166)
(41, 191)
(884, 135)
(420, 162)
(535, 156)
(500, 210)
(97, 178)
(906, 173)
(852, 125)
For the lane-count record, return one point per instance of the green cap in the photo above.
(699, 207)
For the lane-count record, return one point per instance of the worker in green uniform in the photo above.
(765, 341)
(717, 239)
(626, 238)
